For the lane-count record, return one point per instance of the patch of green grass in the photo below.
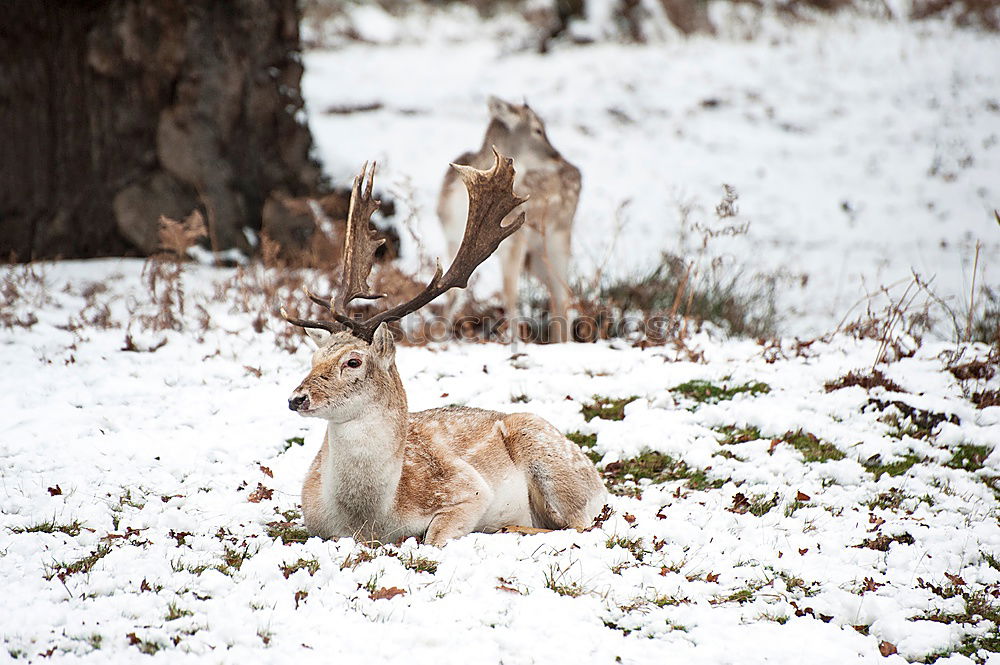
(51, 526)
(587, 442)
(95, 640)
(606, 408)
(897, 467)
(175, 612)
(993, 482)
(706, 392)
(289, 532)
(741, 595)
(793, 583)
(420, 564)
(732, 434)
(979, 605)
(293, 441)
(311, 565)
(290, 515)
(780, 619)
(761, 504)
(371, 586)
(992, 560)
(793, 506)
(555, 579)
(969, 457)
(891, 499)
(358, 557)
(812, 448)
(233, 559)
(908, 421)
(633, 545)
(659, 468)
(84, 565)
(179, 566)
(669, 601)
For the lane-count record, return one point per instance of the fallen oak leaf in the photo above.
(266, 471)
(55, 491)
(260, 494)
(886, 648)
(801, 496)
(740, 504)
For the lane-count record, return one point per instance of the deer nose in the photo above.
(298, 402)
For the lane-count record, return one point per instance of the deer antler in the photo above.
(360, 242)
(491, 198)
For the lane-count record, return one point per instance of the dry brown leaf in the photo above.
(886, 648)
(260, 494)
(386, 593)
(955, 579)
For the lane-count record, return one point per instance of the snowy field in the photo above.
(146, 495)
(860, 149)
(149, 497)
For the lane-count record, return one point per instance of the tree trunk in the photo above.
(114, 112)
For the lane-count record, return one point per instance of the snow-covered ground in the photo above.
(128, 526)
(860, 148)
(144, 493)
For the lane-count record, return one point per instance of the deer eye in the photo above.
(353, 362)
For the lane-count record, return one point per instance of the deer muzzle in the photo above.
(298, 403)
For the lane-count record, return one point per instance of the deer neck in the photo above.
(497, 134)
(364, 461)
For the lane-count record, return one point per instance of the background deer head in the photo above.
(516, 130)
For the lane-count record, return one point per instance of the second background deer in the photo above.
(542, 247)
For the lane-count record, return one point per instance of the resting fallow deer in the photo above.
(553, 188)
(385, 474)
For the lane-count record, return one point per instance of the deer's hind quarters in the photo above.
(383, 473)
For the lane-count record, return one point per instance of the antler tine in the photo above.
(328, 326)
(360, 242)
(491, 198)
(319, 300)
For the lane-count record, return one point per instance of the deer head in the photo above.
(516, 130)
(348, 376)
(355, 352)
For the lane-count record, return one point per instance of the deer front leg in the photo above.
(456, 520)
(514, 250)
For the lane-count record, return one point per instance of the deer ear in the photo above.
(318, 337)
(503, 111)
(383, 348)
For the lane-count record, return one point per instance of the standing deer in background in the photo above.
(385, 474)
(552, 186)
